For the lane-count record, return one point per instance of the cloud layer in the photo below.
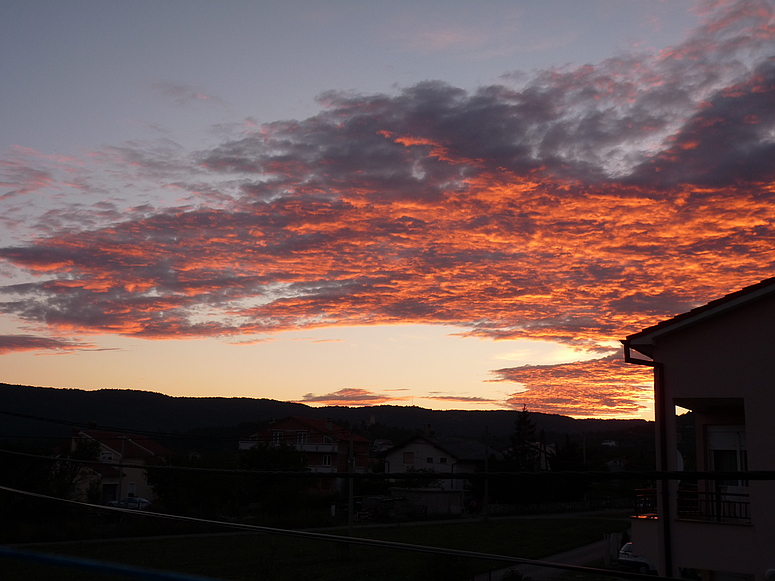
(597, 388)
(16, 343)
(576, 206)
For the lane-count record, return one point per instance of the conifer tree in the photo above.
(523, 441)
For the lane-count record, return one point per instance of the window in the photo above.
(301, 438)
(720, 500)
(443, 460)
(106, 457)
(408, 457)
(326, 459)
(277, 437)
(727, 452)
(327, 440)
(429, 461)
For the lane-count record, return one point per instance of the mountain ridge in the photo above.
(129, 410)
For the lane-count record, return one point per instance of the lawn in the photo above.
(251, 557)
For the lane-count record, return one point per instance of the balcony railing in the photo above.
(322, 469)
(327, 448)
(726, 507)
(693, 504)
(646, 501)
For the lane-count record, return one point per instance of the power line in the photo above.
(139, 432)
(587, 475)
(95, 426)
(353, 540)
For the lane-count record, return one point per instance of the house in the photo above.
(717, 361)
(326, 446)
(439, 454)
(115, 480)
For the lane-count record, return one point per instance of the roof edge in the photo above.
(712, 309)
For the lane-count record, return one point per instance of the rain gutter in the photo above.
(659, 404)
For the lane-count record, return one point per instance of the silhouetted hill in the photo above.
(142, 410)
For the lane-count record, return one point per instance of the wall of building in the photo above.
(137, 477)
(727, 358)
(421, 451)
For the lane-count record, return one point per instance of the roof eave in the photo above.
(643, 341)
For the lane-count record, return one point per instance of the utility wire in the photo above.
(160, 435)
(355, 540)
(94, 426)
(588, 475)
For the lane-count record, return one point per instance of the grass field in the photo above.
(277, 558)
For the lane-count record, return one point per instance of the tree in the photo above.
(71, 479)
(523, 441)
(209, 493)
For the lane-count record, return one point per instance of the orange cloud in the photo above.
(597, 388)
(350, 397)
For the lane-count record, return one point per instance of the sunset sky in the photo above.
(435, 203)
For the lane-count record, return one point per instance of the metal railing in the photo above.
(718, 506)
(646, 501)
(695, 504)
(330, 448)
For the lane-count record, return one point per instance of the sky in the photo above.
(448, 204)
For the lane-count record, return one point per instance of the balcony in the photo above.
(646, 502)
(693, 504)
(324, 448)
(322, 469)
(724, 507)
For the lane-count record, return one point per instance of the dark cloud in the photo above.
(463, 399)
(16, 343)
(729, 140)
(624, 118)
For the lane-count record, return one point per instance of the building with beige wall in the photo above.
(718, 361)
(123, 457)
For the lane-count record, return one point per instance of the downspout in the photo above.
(661, 417)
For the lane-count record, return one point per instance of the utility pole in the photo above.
(121, 467)
(351, 489)
(350, 496)
(486, 499)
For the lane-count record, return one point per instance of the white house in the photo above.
(437, 454)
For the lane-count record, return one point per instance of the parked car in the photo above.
(631, 561)
(132, 502)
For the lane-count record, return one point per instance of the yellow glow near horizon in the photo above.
(426, 365)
